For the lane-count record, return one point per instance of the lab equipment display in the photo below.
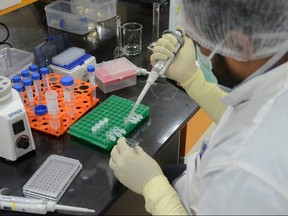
(115, 74)
(73, 62)
(61, 15)
(158, 70)
(116, 110)
(15, 133)
(83, 101)
(13, 61)
(52, 178)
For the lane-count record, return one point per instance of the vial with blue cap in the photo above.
(27, 82)
(19, 88)
(25, 74)
(68, 92)
(44, 72)
(33, 68)
(91, 72)
(37, 86)
(16, 79)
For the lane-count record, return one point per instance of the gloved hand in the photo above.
(183, 65)
(133, 167)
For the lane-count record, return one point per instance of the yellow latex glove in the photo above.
(161, 198)
(206, 94)
(183, 65)
(133, 167)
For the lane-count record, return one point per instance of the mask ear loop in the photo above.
(265, 67)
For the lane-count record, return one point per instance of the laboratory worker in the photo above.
(243, 169)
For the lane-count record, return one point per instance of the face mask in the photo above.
(205, 64)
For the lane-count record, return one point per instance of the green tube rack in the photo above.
(116, 109)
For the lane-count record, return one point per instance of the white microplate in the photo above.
(52, 178)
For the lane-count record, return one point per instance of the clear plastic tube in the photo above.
(37, 86)
(44, 72)
(68, 92)
(91, 73)
(53, 110)
(29, 93)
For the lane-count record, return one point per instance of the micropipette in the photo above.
(158, 69)
(37, 206)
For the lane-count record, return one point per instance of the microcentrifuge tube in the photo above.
(27, 83)
(68, 92)
(53, 111)
(44, 72)
(37, 86)
(91, 73)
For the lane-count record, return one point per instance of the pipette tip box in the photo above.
(115, 74)
(73, 62)
(52, 178)
(116, 109)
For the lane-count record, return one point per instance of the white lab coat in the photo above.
(245, 167)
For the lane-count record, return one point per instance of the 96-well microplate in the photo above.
(116, 109)
(52, 178)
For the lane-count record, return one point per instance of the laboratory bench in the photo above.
(95, 187)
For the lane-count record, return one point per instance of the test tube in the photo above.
(19, 88)
(33, 68)
(28, 83)
(37, 87)
(91, 72)
(52, 105)
(25, 74)
(16, 79)
(68, 92)
(155, 25)
(44, 72)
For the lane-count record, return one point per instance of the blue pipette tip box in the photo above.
(116, 109)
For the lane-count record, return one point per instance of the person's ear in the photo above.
(240, 43)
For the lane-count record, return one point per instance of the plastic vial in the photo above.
(91, 72)
(37, 87)
(19, 88)
(44, 72)
(25, 74)
(52, 105)
(16, 79)
(33, 68)
(28, 83)
(68, 92)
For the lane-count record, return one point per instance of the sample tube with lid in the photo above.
(33, 68)
(68, 92)
(28, 83)
(37, 87)
(44, 72)
(16, 79)
(25, 74)
(19, 88)
(91, 72)
(53, 111)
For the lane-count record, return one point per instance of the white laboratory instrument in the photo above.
(37, 206)
(158, 69)
(15, 133)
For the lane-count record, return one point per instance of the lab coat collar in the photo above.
(266, 84)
